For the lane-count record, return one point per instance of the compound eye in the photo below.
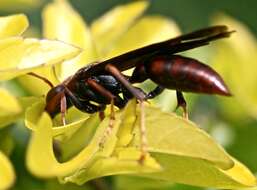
(56, 91)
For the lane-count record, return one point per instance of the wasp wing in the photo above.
(181, 43)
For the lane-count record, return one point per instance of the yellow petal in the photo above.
(146, 31)
(110, 27)
(13, 25)
(7, 175)
(68, 26)
(19, 56)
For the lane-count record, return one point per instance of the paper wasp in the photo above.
(104, 83)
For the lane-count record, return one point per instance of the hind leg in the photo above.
(182, 103)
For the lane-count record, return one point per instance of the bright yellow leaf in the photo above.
(13, 25)
(140, 183)
(197, 172)
(175, 135)
(146, 31)
(107, 29)
(125, 162)
(47, 165)
(19, 56)
(8, 103)
(9, 106)
(68, 26)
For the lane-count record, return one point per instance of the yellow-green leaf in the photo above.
(201, 173)
(188, 155)
(140, 183)
(9, 107)
(125, 161)
(232, 60)
(16, 107)
(8, 103)
(19, 56)
(7, 175)
(110, 27)
(47, 165)
(34, 112)
(170, 134)
(75, 142)
(122, 160)
(13, 25)
(185, 153)
(68, 26)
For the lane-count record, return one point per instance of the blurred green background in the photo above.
(239, 138)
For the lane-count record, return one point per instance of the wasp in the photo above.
(94, 86)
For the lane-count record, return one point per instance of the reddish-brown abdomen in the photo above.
(185, 74)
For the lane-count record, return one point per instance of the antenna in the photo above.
(42, 78)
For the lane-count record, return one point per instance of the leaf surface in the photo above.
(9, 107)
(13, 25)
(107, 29)
(19, 56)
(68, 26)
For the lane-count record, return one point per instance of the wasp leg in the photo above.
(182, 103)
(101, 112)
(119, 76)
(113, 99)
(139, 96)
(107, 94)
(82, 105)
(155, 92)
(63, 108)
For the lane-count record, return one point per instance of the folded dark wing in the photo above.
(179, 44)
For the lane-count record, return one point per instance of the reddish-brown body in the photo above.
(185, 74)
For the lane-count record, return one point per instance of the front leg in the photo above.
(82, 105)
(63, 108)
